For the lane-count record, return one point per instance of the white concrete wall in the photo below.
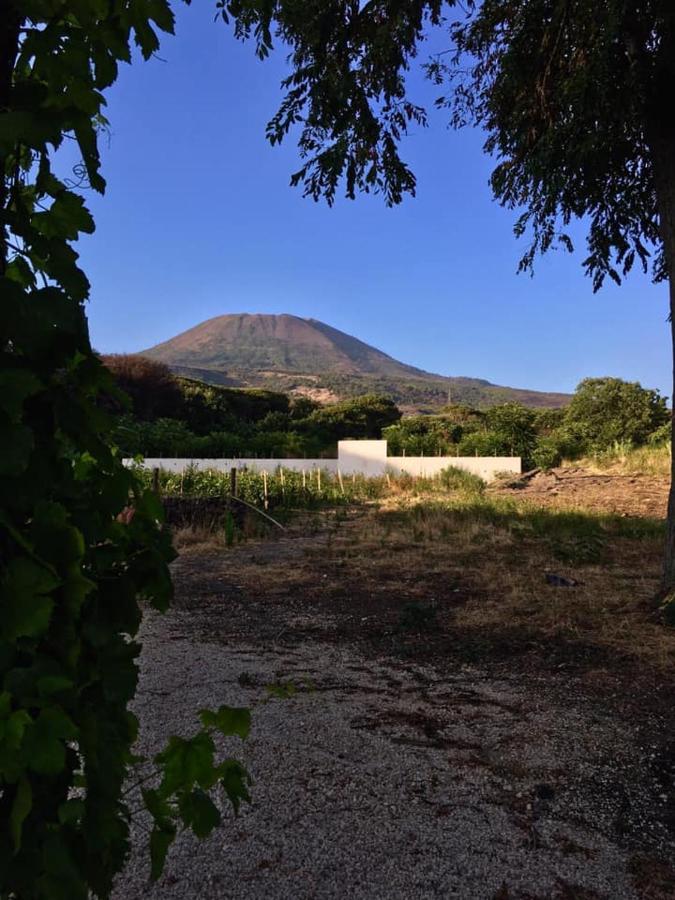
(363, 457)
(486, 467)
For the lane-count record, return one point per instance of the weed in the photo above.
(229, 528)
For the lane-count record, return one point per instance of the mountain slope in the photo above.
(289, 353)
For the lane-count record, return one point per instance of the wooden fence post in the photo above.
(233, 482)
(155, 481)
(266, 501)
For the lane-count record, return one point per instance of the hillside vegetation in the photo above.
(290, 354)
(166, 415)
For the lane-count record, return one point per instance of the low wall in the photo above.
(486, 467)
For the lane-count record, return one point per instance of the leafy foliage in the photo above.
(362, 417)
(209, 421)
(606, 410)
(148, 384)
(571, 99)
(82, 542)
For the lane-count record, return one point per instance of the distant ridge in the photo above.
(286, 352)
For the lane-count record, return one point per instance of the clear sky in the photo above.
(199, 220)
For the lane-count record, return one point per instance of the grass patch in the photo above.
(622, 459)
(458, 567)
(499, 551)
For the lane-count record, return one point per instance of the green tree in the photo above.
(574, 98)
(81, 542)
(604, 411)
(422, 434)
(153, 390)
(515, 425)
(359, 417)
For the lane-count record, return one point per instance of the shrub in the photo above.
(661, 436)
(606, 410)
(547, 453)
(454, 479)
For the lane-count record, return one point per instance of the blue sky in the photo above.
(199, 220)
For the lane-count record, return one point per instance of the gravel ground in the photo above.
(386, 780)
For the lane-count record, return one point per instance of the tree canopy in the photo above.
(571, 96)
(607, 410)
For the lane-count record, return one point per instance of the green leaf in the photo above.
(66, 218)
(25, 604)
(158, 807)
(34, 129)
(56, 540)
(199, 813)
(17, 444)
(21, 272)
(62, 878)
(53, 684)
(45, 741)
(15, 727)
(228, 720)
(186, 763)
(235, 781)
(160, 841)
(160, 12)
(72, 811)
(16, 385)
(22, 805)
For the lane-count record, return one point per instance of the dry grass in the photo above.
(626, 460)
(478, 560)
(198, 538)
(502, 552)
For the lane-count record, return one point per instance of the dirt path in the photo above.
(387, 777)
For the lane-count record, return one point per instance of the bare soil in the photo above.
(630, 495)
(458, 726)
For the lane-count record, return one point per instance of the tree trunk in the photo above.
(663, 149)
(9, 46)
(668, 580)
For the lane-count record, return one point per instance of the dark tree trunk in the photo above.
(663, 149)
(668, 581)
(10, 27)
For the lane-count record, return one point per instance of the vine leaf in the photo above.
(160, 841)
(25, 598)
(199, 812)
(235, 781)
(44, 742)
(228, 720)
(23, 802)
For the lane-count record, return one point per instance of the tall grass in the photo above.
(623, 458)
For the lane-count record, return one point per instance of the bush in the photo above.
(547, 453)
(608, 410)
(661, 436)
(360, 417)
(454, 479)
(484, 443)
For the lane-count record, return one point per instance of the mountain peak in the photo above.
(291, 353)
